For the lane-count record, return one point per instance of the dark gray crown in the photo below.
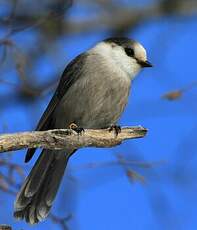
(121, 41)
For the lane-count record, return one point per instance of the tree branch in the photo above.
(5, 227)
(60, 138)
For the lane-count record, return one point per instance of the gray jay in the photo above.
(92, 93)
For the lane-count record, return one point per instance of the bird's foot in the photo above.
(115, 128)
(76, 128)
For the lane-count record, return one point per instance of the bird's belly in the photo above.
(106, 110)
(93, 105)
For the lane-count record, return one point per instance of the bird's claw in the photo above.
(79, 130)
(115, 128)
(76, 128)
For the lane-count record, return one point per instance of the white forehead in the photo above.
(140, 52)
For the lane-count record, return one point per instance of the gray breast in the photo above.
(96, 99)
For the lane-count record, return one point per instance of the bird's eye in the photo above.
(129, 52)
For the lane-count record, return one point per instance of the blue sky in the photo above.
(103, 197)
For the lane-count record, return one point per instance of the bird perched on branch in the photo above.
(92, 93)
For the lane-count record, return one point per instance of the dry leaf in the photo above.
(134, 176)
(173, 95)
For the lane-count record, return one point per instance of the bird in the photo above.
(92, 94)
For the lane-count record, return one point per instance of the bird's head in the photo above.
(126, 53)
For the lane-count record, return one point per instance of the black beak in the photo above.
(145, 64)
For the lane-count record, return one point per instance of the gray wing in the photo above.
(70, 75)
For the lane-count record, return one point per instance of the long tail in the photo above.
(34, 200)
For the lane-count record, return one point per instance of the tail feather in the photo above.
(29, 155)
(54, 182)
(36, 196)
(38, 174)
(35, 178)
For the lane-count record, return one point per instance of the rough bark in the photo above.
(59, 138)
